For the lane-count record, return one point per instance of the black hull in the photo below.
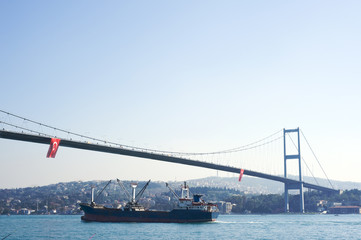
(101, 214)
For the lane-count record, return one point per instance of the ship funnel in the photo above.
(133, 185)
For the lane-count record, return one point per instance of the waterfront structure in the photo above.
(345, 210)
(224, 207)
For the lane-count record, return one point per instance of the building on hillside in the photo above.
(25, 211)
(345, 210)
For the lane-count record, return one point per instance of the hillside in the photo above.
(63, 198)
(252, 185)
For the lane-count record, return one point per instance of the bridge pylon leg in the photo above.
(297, 156)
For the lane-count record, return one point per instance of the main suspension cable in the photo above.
(317, 159)
(237, 149)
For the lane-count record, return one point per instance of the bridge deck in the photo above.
(141, 154)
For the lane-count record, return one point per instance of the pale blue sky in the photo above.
(186, 75)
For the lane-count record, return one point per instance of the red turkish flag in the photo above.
(240, 175)
(53, 148)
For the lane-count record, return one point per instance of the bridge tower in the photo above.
(289, 186)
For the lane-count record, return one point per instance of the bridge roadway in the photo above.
(148, 155)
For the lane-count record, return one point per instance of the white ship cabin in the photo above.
(194, 203)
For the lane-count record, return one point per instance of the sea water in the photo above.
(292, 226)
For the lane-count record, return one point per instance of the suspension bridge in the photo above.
(18, 128)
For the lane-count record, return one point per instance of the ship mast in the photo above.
(92, 195)
(185, 191)
(134, 186)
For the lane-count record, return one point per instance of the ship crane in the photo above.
(93, 201)
(174, 193)
(133, 198)
(140, 193)
(124, 189)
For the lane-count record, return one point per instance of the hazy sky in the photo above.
(178, 75)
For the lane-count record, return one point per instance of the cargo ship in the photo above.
(188, 209)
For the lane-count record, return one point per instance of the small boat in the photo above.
(188, 209)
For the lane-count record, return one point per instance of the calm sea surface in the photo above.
(226, 227)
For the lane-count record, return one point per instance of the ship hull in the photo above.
(102, 214)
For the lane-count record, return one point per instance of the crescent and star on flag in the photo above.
(53, 148)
